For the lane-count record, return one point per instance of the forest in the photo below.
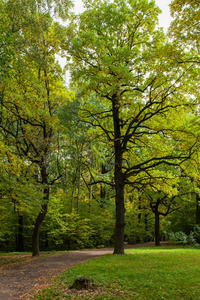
(112, 157)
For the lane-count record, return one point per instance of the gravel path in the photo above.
(21, 280)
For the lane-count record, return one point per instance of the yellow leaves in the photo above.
(130, 206)
(60, 95)
(10, 163)
(34, 95)
(185, 26)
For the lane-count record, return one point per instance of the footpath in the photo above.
(22, 280)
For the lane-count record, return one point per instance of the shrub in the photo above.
(181, 237)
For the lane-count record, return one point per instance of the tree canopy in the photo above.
(122, 145)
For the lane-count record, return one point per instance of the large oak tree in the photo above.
(121, 58)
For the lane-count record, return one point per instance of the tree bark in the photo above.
(90, 194)
(79, 187)
(43, 212)
(73, 192)
(66, 181)
(20, 237)
(197, 209)
(102, 187)
(139, 207)
(36, 232)
(157, 229)
(119, 183)
(120, 218)
(146, 227)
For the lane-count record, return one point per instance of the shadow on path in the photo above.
(21, 280)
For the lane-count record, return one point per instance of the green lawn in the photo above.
(144, 273)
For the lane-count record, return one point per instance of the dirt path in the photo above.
(21, 280)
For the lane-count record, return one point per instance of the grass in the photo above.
(143, 274)
(7, 258)
(13, 257)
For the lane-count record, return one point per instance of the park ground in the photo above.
(165, 272)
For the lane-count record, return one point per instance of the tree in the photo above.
(185, 31)
(161, 205)
(32, 92)
(117, 53)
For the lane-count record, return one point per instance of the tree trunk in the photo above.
(197, 209)
(146, 227)
(36, 232)
(73, 193)
(43, 212)
(20, 237)
(119, 183)
(157, 229)
(90, 194)
(66, 181)
(79, 187)
(120, 218)
(139, 207)
(102, 188)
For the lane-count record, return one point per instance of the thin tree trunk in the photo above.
(139, 207)
(157, 229)
(73, 193)
(66, 181)
(89, 187)
(197, 209)
(146, 226)
(79, 153)
(90, 194)
(20, 237)
(79, 187)
(102, 187)
(20, 234)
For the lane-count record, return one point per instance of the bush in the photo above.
(181, 237)
(72, 232)
(178, 237)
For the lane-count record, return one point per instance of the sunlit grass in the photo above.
(144, 273)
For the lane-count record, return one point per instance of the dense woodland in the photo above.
(113, 157)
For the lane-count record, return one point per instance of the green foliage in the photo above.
(184, 219)
(31, 91)
(186, 16)
(139, 226)
(122, 65)
(74, 231)
(71, 232)
(182, 238)
(179, 237)
(137, 233)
